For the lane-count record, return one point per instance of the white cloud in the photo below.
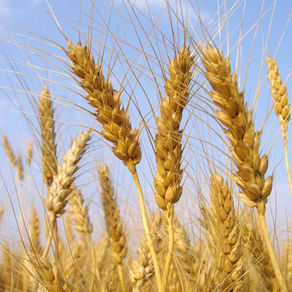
(4, 8)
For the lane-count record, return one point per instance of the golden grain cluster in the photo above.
(227, 247)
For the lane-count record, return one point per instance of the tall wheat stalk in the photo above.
(238, 126)
(115, 122)
(281, 106)
(168, 142)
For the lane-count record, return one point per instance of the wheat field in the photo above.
(146, 147)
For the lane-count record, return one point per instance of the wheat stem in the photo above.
(147, 231)
(121, 277)
(288, 168)
(170, 213)
(270, 250)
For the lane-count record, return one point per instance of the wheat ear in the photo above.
(107, 103)
(114, 119)
(19, 167)
(238, 125)
(63, 182)
(80, 213)
(48, 136)
(49, 275)
(9, 151)
(34, 230)
(168, 141)
(114, 222)
(281, 106)
(228, 234)
(142, 270)
(263, 271)
(29, 153)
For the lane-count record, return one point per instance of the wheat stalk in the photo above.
(63, 182)
(244, 141)
(168, 141)
(281, 106)
(115, 121)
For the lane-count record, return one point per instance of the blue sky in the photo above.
(33, 16)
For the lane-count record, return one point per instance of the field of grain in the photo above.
(144, 147)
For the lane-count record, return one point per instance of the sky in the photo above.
(27, 27)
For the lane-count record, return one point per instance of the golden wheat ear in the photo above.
(237, 123)
(168, 141)
(80, 213)
(48, 136)
(114, 119)
(114, 222)
(281, 106)
(227, 234)
(9, 151)
(29, 153)
(34, 231)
